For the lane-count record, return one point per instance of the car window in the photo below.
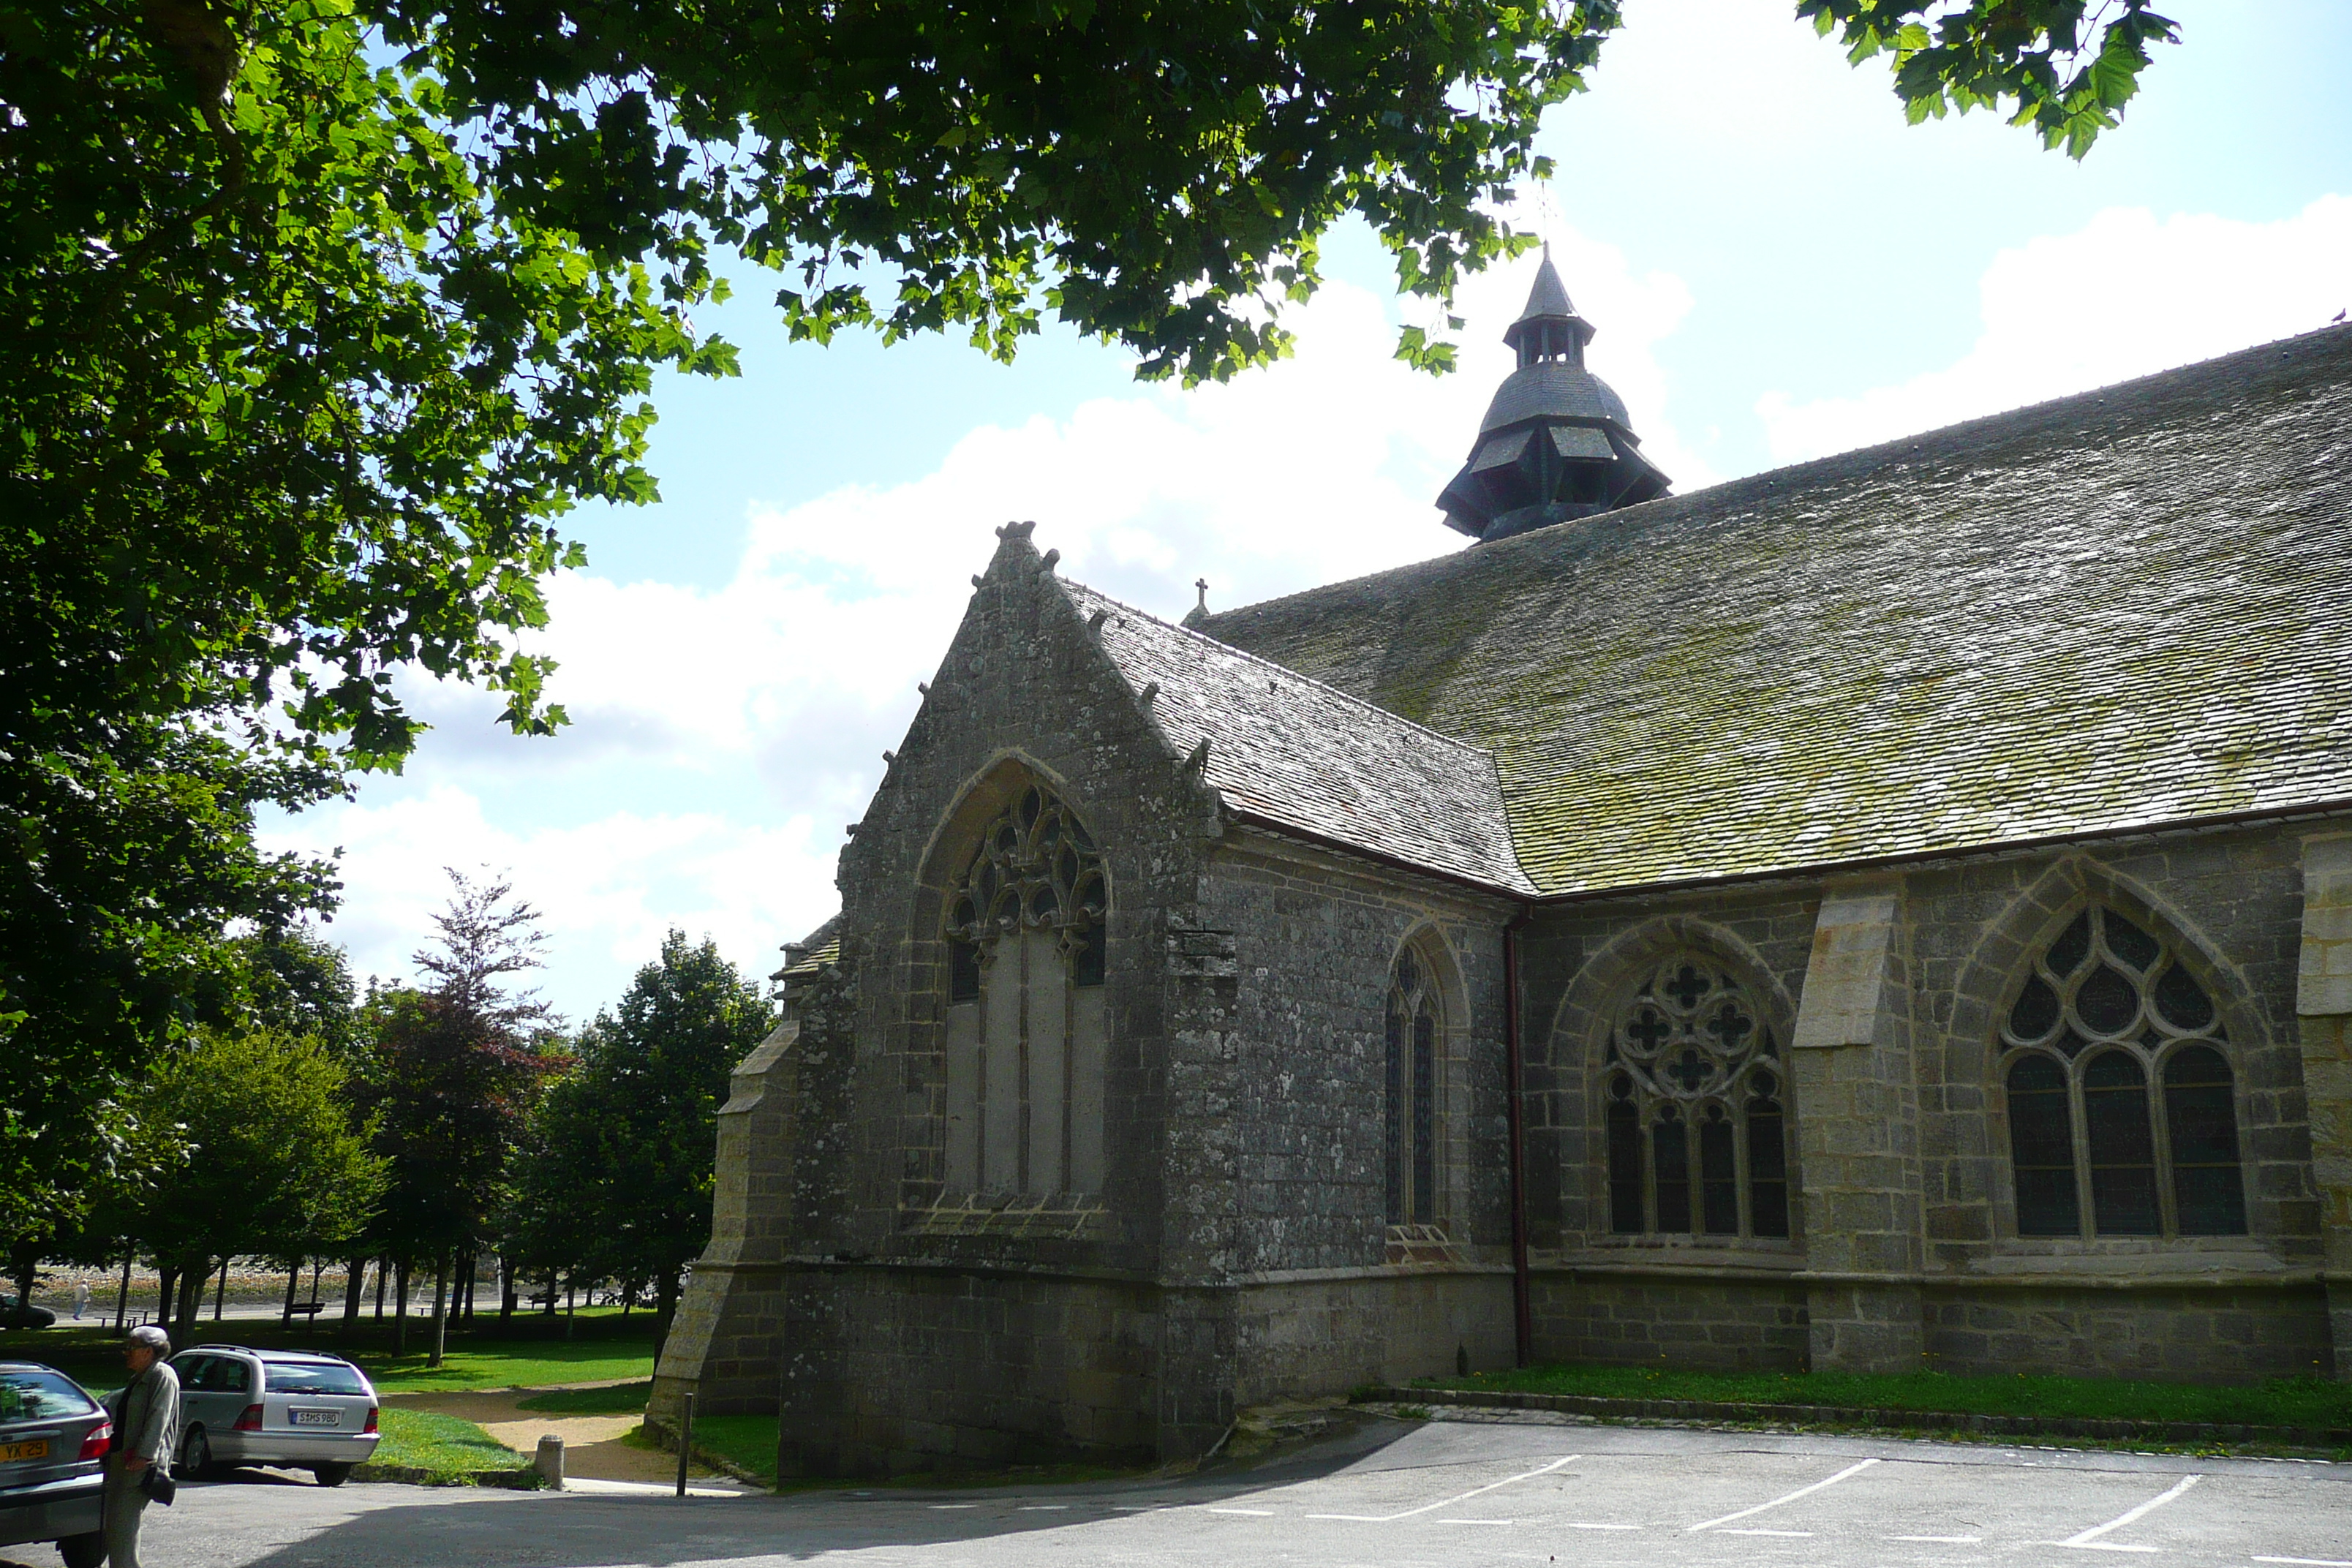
(40, 1396)
(193, 1370)
(315, 1377)
(231, 1376)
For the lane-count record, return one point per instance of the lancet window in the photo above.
(1692, 1094)
(1414, 1088)
(1026, 1027)
(2121, 1107)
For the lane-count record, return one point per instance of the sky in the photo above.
(1778, 267)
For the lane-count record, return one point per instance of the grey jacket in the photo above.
(146, 1416)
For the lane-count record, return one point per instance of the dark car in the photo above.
(52, 1437)
(15, 1314)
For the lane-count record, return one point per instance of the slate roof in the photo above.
(816, 949)
(1297, 754)
(2125, 608)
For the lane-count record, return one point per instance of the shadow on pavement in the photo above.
(582, 1532)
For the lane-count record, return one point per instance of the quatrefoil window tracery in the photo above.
(1694, 1120)
(1690, 1032)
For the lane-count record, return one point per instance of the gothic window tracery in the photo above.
(1691, 1084)
(1414, 1084)
(2122, 1105)
(1026, 926)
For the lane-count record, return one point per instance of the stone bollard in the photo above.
(549, 1462)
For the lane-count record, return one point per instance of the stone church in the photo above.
(1891, 911)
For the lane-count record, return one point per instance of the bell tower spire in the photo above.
(1555, 443)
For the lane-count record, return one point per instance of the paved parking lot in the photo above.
(1445, 1493)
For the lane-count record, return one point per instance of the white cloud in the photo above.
(2126, 295)
(767, 703)
(607, 890)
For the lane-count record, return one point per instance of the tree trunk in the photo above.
(400, 1309)
(506, 1290)
(293, 1283)
(220, 1292)
(570, 1306)
(381, 1275)
(193, 1280)
(440, 1307)
(352, 1292)
(122, 1297)
(26, 1265)
(664, 1307)
(167, 1279)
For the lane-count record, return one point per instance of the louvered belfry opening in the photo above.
(1557, 442)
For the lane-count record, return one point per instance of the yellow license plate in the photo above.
(15, 1453)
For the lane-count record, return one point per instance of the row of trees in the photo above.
(425, 1127)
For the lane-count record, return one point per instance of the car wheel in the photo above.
(331, 1475)
(83, 1550)
(196, 1455)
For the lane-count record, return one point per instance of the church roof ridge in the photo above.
(1344, 695)
(1978, 430)
(2123, 606)
(1303, 755)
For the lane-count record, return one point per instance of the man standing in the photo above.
(146, 1416)
(81, 1297)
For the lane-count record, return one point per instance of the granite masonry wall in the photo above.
(1239, 1250)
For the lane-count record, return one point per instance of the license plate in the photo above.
(318, 1418)
(18, 1453)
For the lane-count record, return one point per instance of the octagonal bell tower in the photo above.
(1555, 443)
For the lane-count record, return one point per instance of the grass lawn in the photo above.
(620, 1399)
(2306, 1402)
(451, 1451)
(603, 1346)
(746, 1441)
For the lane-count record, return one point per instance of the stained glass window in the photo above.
(1411, 1117)
(1694, 1118)
(2108, 1010)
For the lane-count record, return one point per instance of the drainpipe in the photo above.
(1522, 1309)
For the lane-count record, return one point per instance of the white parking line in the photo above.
(1793, 1534)
(1776, 1503)
(1939, 1539)
(1505, 1522)
(2306, 1561)
(1449, 1503)
(2088, 1541)
(1604, 1526)
(1244, 1512)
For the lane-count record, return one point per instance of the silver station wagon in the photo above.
(303, 1410)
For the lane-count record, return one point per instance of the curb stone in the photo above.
(414, 1476)
(2175, 1432)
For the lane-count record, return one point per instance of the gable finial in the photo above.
(1202, 607)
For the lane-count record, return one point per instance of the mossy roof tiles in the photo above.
(2125, 608)
(1295, 752)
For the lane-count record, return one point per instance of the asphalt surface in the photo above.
(1446, 1493)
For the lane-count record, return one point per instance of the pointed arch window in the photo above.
(1415, 1087)
(2122, 1106)
(1695, 1129)
(1026, 1029)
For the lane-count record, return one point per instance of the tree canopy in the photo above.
(315, 319)
(617, 1180)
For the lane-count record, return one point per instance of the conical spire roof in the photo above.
(1550, 326)
(1549, 296)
